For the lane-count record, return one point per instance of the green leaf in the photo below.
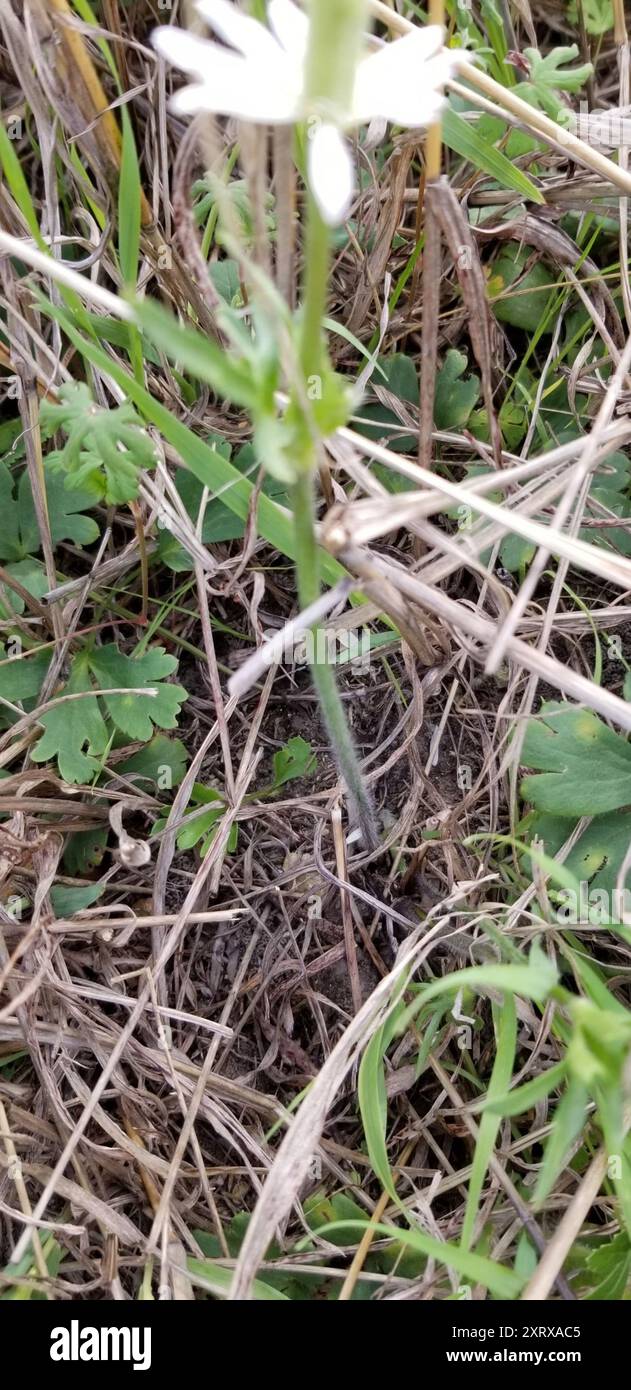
(531, 301)
(295, 1286)
(616, 538)
(599, 1045)
(84, 850)
(201, 827)
(227, 280)
(332, 326)
(273, 441)
(209, 195)
(25, 1268)
(534, 980)
(398, 375)
(595, 859)
(215, 473)
(373, 1103)
(401, 376)
(162, 761)
(18, 185)
(464, 140)
(73, 726)
(608, 1269)
(295, 759)
(10, 548)
(31, 574)
(116, 332)
(67, 900)
(106, 447)
(476, 1268)
(128, 206)
(196, 353)
(523, 1098)
(551, 74)
(21, 677)
(583, 767)
(129, 219)
(513, 422)
(456, 394)
(613, 473)
(516, 553)
(135, 715)
(569, 1118)
(219, 524)
(597, 14)
(12, 443)
(323, 1210)
(65, 513)
(19, 532)
(505, 1020)
(220, 1277)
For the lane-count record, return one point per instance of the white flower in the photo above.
(261, 77)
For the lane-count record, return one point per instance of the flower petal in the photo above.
(331, 173)
(255, 42)
(230, 84)
(291, 28)
(404, 80)
(251, 38)
(182, 49)
(252, 102)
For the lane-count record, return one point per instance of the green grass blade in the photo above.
(533, 980)
(129, 205)
(221, 1278)
(373, 1105)
(505, 1019)
(464, 140)
(16, 181)
(84, 9)
(198, 355)
(568, 1121)
(524, 1097)
(504, 1283)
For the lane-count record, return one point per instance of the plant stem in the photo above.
(322, 672)
(316, 277)
(433, 141)
(144, 565)
(335, 37)
(431, 278)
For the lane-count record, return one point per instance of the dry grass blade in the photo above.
(441, 199)
(372, 570)
(292, 1160)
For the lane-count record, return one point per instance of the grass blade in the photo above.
(505, 1020)
(464, 140)
(504, 1283)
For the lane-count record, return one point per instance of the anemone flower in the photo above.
(258, 74)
